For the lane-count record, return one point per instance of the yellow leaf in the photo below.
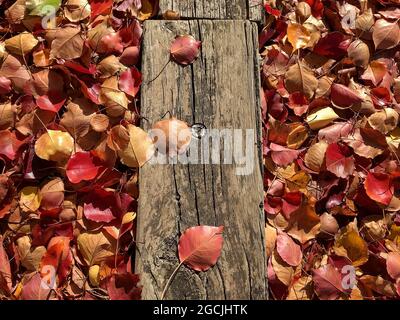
(349, 244)
(140, 148)
(298, 36)
(21, 44)
(149, 9)
(321, 118)
(128, 217)
(54, 145)
(296, 137)
(95, 247)
(30, 199)
(94, 276)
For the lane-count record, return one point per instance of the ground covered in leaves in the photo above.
(68, 183)
(331, 94)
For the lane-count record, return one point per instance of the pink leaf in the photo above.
(327, 282)
(339, 160)
(289, 251)
(200, 247)
(130, 81)
(283, 156)
(393, 265)
(185, 49)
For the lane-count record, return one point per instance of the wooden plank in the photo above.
(215, 9)
(220, 91)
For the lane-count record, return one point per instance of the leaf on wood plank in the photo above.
(185, 49)
(200, 247)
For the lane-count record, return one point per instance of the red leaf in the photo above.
(283, 156)
(9, 144)
(379, 187)
(270, 10)
(100, 7)
(81, 166)
(289, 251)
(53, 101)
(100, 206)
(298, 103)
(291, 202)
(393, 265)
(380, 97)
(130, 81)
(130, 56)
(124, 286)
(317, 8)
(200, 247)
(339, 160)
(58, 257)
(327, 282)
(334, 45)
(344, 97)
(185, 49)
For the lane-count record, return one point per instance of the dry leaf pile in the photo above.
(331, 93)
(70, 147)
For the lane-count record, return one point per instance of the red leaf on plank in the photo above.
(200, 247)
(344, 97)
(82, 166)
(379, 187)
(130, 81)
(124, 286)
(283, 156)
(288, 250)
(393, 265)
(100, 206)
(185, 49)
(327, 282)
(339, 160)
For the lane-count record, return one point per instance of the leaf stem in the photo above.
(172, 276)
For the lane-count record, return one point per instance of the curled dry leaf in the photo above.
(171, 137)
(321, 118)
(185, 49)
(54, 145)
(315, 156)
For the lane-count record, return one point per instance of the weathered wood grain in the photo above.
(220, 91)
(215, 9)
